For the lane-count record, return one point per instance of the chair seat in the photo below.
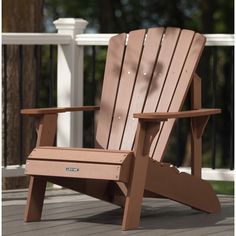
(80, 163)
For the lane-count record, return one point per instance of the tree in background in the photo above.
(19, 16)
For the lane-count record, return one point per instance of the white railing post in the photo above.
(70, 82)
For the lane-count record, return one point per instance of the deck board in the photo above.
(68, 213)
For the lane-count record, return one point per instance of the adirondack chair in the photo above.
(147, 76)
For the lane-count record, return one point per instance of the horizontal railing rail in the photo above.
(35, 39)
(76, 77)
(103, 39)
(91, 39)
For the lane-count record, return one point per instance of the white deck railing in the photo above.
(71, 40)
(91, 39)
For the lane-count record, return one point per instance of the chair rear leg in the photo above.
(34, 206)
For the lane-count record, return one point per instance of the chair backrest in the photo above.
(146, 71)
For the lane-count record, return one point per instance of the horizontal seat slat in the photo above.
(86, 149)
(72, 169)
(80, 155)
(78, 170)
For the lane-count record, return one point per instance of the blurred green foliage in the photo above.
(223, 187)
(206, 16)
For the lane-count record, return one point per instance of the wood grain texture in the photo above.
(198, 124)
(167, 181)
(164, 60)
(114, 62)
(144, 78)
(68, 213)
(196, 92)
(137, 181)
(80, 170)
(183, 84)
(177, 64)
(46, 131)
(169, 87)
(136, 184)
(127, 81)
(79, 155)
(196, 139)
(34, 205)
(55, 110)
(88, 149)
(179, 114)
(104, 190)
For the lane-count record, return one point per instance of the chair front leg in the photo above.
(46, 130)
(136, 185)
(34, 206)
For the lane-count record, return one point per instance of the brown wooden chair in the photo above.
(147, 76)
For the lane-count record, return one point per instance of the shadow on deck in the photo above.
(68, 213)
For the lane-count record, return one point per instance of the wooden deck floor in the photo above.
(68, 213)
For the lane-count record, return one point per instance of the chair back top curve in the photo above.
(146, 71)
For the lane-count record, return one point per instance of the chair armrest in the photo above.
(173, 115)
(55, 110)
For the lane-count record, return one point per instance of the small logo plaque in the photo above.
(72, 169)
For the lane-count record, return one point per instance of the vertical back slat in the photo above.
(171, 80)
(145, 73)
(113, 68)
(180, 92)
(162, 67)
(177, 64)
(128, 76)
(149, 74)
